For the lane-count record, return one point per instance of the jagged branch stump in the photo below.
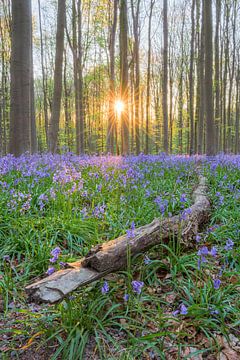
(112, 255)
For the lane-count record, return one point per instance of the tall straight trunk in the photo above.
(148, 75)
(165, 75)
(33, 129)
(57, 92)
(237, 147)
(124, 75)
(111, 115)
(180, 94)
(135, 17)
(201, 79)
(20, 115)
(210, 150)
(75, 74)
(225, 75)
(230, 142)
(45, 105)
(217, 75)
(80, 136)
(191, 80)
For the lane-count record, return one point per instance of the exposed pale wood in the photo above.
(112, 256)
(55, 287)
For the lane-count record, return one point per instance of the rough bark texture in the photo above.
(165, 76)
(210, 150)
(20, 114)
(124, 75)
(112, 256)
(57, 93)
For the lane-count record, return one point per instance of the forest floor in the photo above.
(174, 302)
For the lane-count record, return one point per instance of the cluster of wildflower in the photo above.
(183, 310)
(55, 255)
(136, 288)
(162, 204)
(203, 252)
(131, 231)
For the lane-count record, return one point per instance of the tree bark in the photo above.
(210, 149)
(57, 92)
(111, 115)
(135, 17)
(21, 85)
(148, 75)
(165, 76)
(124, 75)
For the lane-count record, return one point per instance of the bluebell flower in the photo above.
(213, 251)
(229, 245)
(203, 251)
(105, 288)
(131, 231)
(50, 271)
(137, 286)
(126, 297)
(183, 310)
(175, 313)
(216, 284)
(198, 238)
(183, 198)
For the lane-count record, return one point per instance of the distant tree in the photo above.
(165, 75)
(57, 92)
(124, 75)
(22, 119)
(217, 76)
(136, 34)
(208, 77)
(191, 78)
(111, 116)
(201, 83)
(149, 74)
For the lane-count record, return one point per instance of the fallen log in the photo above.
(112, 255)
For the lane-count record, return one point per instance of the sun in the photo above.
(119, 106)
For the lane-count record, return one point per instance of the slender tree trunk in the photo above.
(135, 17)
(57, 92)
(201, 80)
(210, 150)
(191, 81)
(148, 75)
(165, 76)
(81, 136)
(111, 115)
(217, 75)
(124, 75)
(45, 106)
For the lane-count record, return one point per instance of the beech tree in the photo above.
(57, 93)
(22, 119)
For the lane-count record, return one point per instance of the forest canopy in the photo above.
(172, 65)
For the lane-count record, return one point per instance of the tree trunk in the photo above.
(148, 76)
(210, 149)
(124, 76)
(57, 92)
(135, 17)
(111, 115)
(165, 76)
(21, 85)
(191, 81)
